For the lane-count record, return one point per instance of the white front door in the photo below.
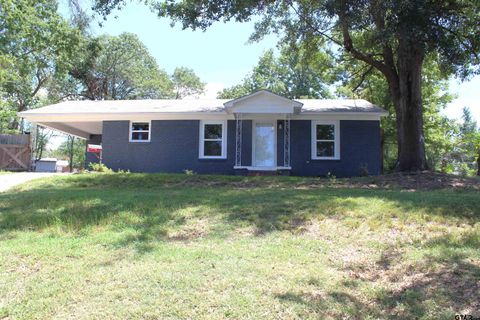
(264, 144)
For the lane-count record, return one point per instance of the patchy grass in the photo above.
(178, 246)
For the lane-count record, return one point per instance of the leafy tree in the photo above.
(120, 67)
(73, 150)
(469, 142)
(294, 74)
(42, 138)
(186, 83)
(440, 132)
(393, 37)
(36, 47)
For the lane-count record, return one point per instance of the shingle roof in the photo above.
(194, 105)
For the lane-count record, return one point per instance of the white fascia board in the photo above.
(138, 116)
(134, 116)
(338, 116)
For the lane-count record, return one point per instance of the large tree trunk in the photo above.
(406, 92)
(404, 77)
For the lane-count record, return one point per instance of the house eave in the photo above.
(62, 117)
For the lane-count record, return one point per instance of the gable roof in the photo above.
(339, 105)
(232, 103)
(84, 118)
(194, 106)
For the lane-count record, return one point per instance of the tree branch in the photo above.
(362, 78)
(314, 29)
(348, 44)
(39, 85)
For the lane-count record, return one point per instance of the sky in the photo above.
(221, 56)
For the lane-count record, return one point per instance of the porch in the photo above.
(262, 133)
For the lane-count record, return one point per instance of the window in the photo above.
(325, 140)
(139, 131)
(213, 139)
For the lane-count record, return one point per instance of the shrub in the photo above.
(364, 170)
(99, 167)
(331, 178)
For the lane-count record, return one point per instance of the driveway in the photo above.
(10, 180)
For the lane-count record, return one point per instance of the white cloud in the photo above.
(468, 95)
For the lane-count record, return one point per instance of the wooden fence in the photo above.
(15, 152)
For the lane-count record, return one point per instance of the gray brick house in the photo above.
(258, 132)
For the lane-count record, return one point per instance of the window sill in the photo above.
(322, 159)
(212, 158)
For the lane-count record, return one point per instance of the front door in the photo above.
(264, 144)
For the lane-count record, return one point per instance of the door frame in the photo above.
(273, 122)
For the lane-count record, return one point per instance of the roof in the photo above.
(130, 106)
(85, 118)
(339, 105)
(193, 106)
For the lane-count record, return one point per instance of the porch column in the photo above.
(33, 143)
(286, 141)
(238, 139)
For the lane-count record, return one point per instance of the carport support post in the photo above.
(238, 139)
(286, 141)
(33, 144)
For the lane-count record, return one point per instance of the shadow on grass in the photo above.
(151, 212)
(333, 304)
(448, 277)
(143, 213)
(445, 283)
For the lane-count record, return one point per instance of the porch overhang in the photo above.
(263, 102)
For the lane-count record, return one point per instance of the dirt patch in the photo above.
(454, 284)
(424, 180)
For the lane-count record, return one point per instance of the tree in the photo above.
(469, 144)
(186, 83)
(119, 67)
(42, 138)
(73, 150)
(294, 74)
(392, 36)
(440, 132)
(36, 47)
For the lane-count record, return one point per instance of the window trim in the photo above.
(130, 131)
(336, 141)
(201, 147)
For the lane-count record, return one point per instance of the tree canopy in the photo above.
(293, 75)
(37, 46)
(186, 83)
(393, 37)
(120, 67)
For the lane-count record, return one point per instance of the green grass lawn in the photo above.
(204, 247)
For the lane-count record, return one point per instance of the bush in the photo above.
(364, 170)
(99, 167)
(331, 178)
